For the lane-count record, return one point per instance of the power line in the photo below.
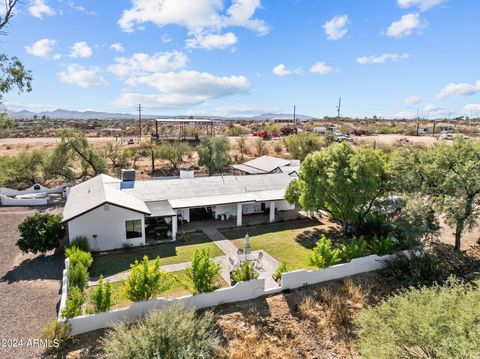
(339, 107)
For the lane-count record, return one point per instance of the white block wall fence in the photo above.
(239, 292)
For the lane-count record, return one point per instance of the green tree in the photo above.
(323, 255)
(302, 144)
(343, 181)
(430, 322)
(77, 275)
(75, 144)
(40, 233)
(23, 170)
(204, 272)
(444, 175)
(214, 153)
(173, 152)
(146, 280)
(73, 305)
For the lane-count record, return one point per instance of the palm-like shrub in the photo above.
(79, 256)
(323, 256)
(77, 275)
(244, 271)
(171, 333)
(282, 268)
(146, 280)
(204, 272)
(101, 296)
(430, 322)
(357, 248)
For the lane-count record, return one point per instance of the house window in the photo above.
(133, 228)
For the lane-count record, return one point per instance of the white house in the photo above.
(114, 213)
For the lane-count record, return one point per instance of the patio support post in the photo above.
(174, 227)
(272, 212)
(239, 214)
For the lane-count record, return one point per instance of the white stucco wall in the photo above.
(108, 225)
(284, 206)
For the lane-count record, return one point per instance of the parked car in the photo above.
(450, 136)
(340, 137)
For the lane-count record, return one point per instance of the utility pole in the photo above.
(418, 121)
(294, 116)
(339, 107)
(140, 121)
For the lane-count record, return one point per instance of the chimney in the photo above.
(128, 175)
(186, 171)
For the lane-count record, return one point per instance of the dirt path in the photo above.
(29, 288)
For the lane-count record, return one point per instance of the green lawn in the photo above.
(169, 253)
(288, 242)
(180, 287)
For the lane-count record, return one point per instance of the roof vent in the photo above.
(186, 171)
(128, 175)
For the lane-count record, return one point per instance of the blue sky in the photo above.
(243, 57)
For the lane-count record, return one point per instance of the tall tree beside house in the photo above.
(302, 144)
(343, 181)
(446, 176)
(40, 233)
(75, 145)
(173, 152)
(214, 153)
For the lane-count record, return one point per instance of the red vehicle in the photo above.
(287, 131)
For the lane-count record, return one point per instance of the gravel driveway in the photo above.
(29, 288)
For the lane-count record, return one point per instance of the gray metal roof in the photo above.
(160, 209)
(225, 189)
(95, 192)
(263, 164)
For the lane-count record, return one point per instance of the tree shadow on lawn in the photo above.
(310, 237)
(48, 267)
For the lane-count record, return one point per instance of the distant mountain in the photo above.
(98, 115)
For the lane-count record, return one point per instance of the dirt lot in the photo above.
(29, 287)
(391, 140)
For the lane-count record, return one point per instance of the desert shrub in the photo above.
(204, 272)
(78, 256)
(260, 147)
(173, 332)
(244, 271)
(414, 270)
(146, 280)
(77, 276)
(40, 233)
(73, 306)
(322, 255)
(383, 246)
(58, 334)
(101, 297)
(436, 322)
(357, 248)
(81, 242)
(282, 268)
(278, 148)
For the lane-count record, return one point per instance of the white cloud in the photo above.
(381, 59)
(321, 68)
(412, 100)
(212, 41)
(431, 110)
(57, 57)
(281, 70)
(41, 48)
(472, 108)
(423, 5)
(405, 26)
(38, 8)
(336, 28)
(197, 16)
(140, 63)
(16, 106)
(460, 89)
(182, 89)
(404, 114)
(82, 76)
(118, 47)
(80, 8)
(244, 110)
(80, 49)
